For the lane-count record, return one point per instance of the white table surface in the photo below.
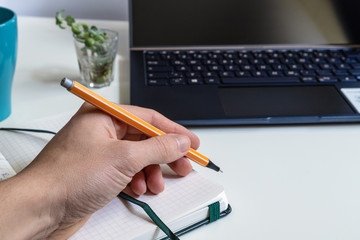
(283, 182)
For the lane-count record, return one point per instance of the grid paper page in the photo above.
(123, 220)
(6, 170)
(20, 148)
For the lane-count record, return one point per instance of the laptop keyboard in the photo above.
(171, 68)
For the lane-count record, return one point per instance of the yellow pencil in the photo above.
(128, 118)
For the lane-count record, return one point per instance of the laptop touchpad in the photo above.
(283, 101)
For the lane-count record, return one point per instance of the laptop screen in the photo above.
(160, 23)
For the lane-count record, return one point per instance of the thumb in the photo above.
(161, 149)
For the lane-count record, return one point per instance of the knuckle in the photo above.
(132, 162)
(162, 148)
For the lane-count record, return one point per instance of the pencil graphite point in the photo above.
(212, 166)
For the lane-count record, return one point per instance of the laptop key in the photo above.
(308, 79)
(311, 66)
(326, 66)
(198, 68)
(291, 73)
(243, 74)
(232, 68)
(355, 72)
(340, 72)
(307, 73)
(157, 75)
(160, 69)
(334, 60)
(193, 75)
(195, 81)
(156, 63)
(209, 74)
(347, 79)
(183, 68)
(177, 81)
(216, 68)
(158, 82)
(227, 74)
(279, 67)
(355, 66)
(194, 62)
(178, 62)
(260, 80)
(212, 80)
(259, 73)
(152, 56)
(295, 67)
(350, 60)
(275, 73)
(226, 62)
(324, 73)
(327, 79)
(342, 66)
(208, 62)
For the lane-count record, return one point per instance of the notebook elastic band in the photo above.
(151, 214)
(214, 212)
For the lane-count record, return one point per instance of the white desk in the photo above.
(283, 182)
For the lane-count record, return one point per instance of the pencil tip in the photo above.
(213, 166)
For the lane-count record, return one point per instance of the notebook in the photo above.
(183, 206)
(232, 62)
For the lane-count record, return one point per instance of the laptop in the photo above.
(240, 62)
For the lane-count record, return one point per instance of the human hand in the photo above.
(94, 157)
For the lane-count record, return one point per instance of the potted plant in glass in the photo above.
(95, 48)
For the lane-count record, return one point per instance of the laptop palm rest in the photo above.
(255, 102)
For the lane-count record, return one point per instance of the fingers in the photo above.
(138, 183)
(154, 179)
(156, 150)
(182, 167)
(136, 155)
(161, 122)
(149, 179)
(170, 149)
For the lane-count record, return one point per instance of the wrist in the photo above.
(28, 207)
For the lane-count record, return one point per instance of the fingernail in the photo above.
(183, 143)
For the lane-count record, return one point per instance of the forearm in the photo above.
(26, 208)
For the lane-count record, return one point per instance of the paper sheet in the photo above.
(353, 95)
(123, 220)
(20, 148)
(6, 170)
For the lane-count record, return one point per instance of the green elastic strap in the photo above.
(214, 212)
(151, 214)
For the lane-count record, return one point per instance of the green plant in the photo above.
(92, 37)
(95, 48)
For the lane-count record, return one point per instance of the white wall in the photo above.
(93, 9)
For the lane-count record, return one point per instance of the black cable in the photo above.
(28, 130)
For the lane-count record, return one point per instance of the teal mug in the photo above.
(8, 53)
